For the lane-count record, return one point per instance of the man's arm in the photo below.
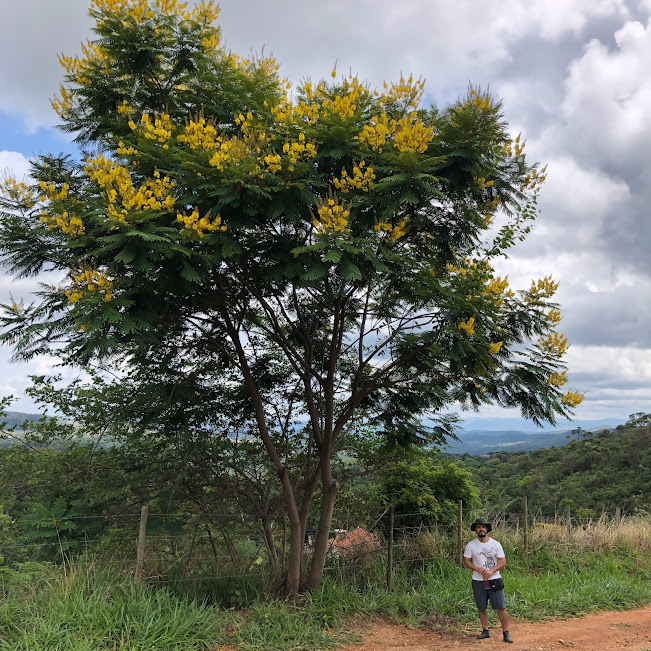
(471, 566)
(501, 563)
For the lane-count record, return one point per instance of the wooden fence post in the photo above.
(568, 520)
(140, 551)
(525, 524)
(460, 530)
(390, 549)
(618, 515)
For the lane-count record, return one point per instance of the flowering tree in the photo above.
(328, 249)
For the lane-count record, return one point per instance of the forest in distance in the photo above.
(592, 473)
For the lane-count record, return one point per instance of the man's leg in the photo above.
(481, 599)
(504, 621)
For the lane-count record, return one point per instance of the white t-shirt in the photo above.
(484, 555)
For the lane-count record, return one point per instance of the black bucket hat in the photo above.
(488, 525)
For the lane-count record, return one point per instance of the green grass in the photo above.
(91, 610)
(83, 610)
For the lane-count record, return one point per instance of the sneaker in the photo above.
(484, 634)
(507, 637)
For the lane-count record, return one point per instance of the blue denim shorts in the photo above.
(482, 597)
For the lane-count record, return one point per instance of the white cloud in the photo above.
(31, 36)
(14, 164)
(607, 106)
(553, 19)
(575, 203)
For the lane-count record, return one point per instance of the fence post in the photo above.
(618, 515)
(568, 520)
(525, 524)
(459, 530)
(140, 551)
(390, 549)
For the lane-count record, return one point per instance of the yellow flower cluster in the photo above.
(498, 288)
(72, 65)
(298, 149)
(64, 102)
(199, 134)
(266, 65)
(308, 113)
(154, 194)
(406, 93)
(557, 379)
(412, 135)
(230, 151)
(495, 348)
(392, 233)
(160, 130)
(273, 162)
(573, 398)
(377, 132)
(143, 10)
(468, 326)
(362, 179)
(124, 108)
(553, 345)
(89, 280)
(200, 224)
(244, 122)
(333, 218)
(543, 288)
(18, 192)
(205, 12)
(78, 67)
(513, 148)
(210, 42)
(554, 317)
(343, 106)
(66, 223)
(125, 150)
(534, 179)
(50, 191)
(96, 53)
(483, 183)
(344, 103)
(477, 101)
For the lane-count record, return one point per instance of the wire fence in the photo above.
(217, 547)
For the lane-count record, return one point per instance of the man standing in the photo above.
(485, 557)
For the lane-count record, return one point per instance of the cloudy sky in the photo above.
(576, 82)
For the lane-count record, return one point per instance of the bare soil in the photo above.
(629, 629)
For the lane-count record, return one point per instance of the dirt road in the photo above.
(629, 629)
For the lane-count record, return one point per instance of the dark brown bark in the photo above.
(271, 546)
(323, 533)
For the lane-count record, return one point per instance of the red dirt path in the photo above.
(629, 629)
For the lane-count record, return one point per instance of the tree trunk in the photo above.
(322, 536)
(293, 580)
(270, 543)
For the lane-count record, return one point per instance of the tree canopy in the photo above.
(318, 255)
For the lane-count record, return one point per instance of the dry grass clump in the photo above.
(422, 546)
(597, 535)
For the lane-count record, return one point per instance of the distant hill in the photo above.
(483, 441)
(17, 418)
(604, 470)
(472, 422)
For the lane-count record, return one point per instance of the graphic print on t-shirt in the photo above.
(490, 561)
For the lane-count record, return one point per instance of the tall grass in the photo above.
(75, 609)
(84, 608)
